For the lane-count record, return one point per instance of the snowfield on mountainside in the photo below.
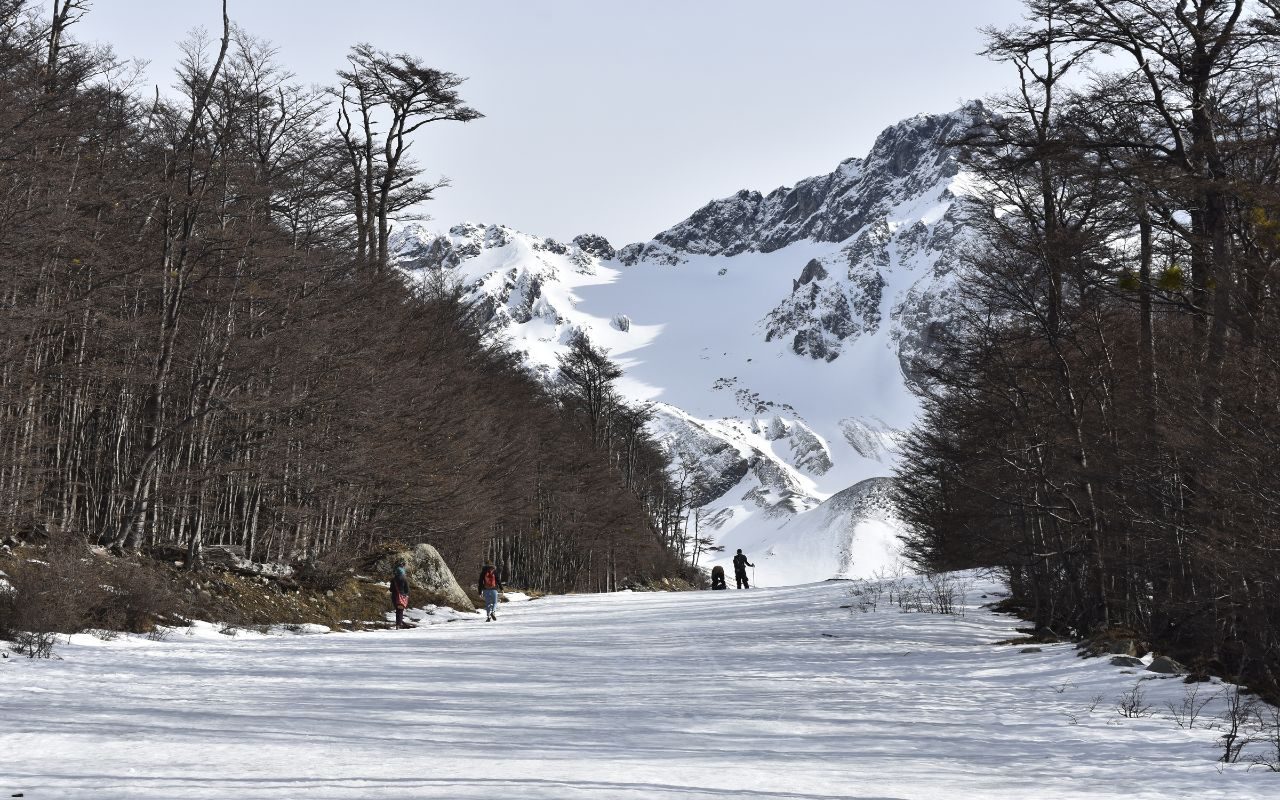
(768, 694)
(773, 334)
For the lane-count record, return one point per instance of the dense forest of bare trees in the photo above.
(200, 341)
(1103, 416)
(587, 397)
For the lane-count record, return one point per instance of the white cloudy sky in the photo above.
(617, 116)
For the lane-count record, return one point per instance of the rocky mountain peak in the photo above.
(906, 158)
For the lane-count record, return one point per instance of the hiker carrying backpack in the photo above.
(490, 585)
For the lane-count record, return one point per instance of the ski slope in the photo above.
(774, 693)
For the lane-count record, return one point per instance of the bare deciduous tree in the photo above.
(382, 101)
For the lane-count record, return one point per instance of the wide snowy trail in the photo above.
(774, 693)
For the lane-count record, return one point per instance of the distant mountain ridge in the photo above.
(905, 160)
(774, 333)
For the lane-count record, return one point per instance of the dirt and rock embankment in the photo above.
(63, 587)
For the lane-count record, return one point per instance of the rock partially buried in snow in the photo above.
(1126, 661)
(1165, 666)
(428, 572)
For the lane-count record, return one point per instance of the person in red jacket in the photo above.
(490, 585)
(400, 595)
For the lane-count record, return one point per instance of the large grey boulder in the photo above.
(1165, 666)
(429, 575)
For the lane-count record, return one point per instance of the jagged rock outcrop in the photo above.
(906, 160)
(595, 245)
(552, 246)
(822, 313)
(809, 452)
(713, 465)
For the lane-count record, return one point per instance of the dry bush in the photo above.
(325, 574)
(934, 593)
(34, 645)
(52, 593)
(1269, 736)
(65, 588)
(946, 592)
(138, 594)
(1240, 723)
(866, 595)
(1188, 711)
(1133, 703)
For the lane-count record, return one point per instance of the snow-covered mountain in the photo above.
(773, 333)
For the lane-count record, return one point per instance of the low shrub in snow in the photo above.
(69, 589)
(33, 645)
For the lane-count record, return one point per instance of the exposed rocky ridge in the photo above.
(715, 460)
(714, 464)
(907, 160)
(510, 296)
(874, 495)
(871, 207)
(870, 438)
(808, 452)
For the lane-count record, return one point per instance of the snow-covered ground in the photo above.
(774, 693)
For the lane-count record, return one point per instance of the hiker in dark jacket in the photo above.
(717, 578)
(400, 595)
(490, 585)
(740, 564)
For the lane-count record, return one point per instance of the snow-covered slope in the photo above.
(773, 694)
(774, 334)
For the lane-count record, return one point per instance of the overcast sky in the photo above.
(621, 117)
